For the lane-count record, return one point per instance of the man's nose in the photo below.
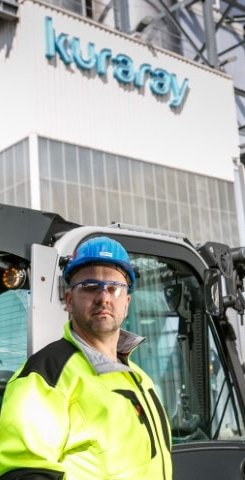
(103, 293)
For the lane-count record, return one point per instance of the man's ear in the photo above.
(68, 300)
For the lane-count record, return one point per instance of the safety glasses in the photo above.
(93, 287)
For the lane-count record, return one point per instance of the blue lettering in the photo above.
(77, 55)
(61, 44)
(102, 61)
(69, 50)
(124, 71)
(161, 82)
(50, 38)
(58, 44)
(141, 75)
(179, 92)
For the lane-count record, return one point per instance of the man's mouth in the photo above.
(102, 312)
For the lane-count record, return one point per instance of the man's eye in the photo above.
(112, 288)
(91, 287)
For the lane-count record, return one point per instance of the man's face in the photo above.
(97, 314)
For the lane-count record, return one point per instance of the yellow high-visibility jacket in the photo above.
(70, 413)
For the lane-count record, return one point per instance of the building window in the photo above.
(81, 7)
(15, 175)
(91, 187)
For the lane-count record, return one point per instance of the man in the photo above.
(80, 409)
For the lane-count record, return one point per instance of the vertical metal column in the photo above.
(34, 172)
(210, 33)
(121, 15)
(239, 186)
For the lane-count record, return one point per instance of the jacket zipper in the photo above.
(162, 418)
(130, 395)
(153, 419)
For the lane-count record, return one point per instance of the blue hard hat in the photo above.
(100, 250)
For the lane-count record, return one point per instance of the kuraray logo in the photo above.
(160, 82)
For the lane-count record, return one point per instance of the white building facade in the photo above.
(100, 127)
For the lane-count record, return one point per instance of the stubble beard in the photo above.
(95, 326)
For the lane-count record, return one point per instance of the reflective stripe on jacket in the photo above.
(61, 419)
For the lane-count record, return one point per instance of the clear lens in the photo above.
(90, 287)
(114, 290)
(94, 287)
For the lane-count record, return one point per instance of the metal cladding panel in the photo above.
(64, 102)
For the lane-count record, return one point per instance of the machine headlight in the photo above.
(13, 277)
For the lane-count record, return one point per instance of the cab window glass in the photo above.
(167, 308)
(13, 333)
(225, 421)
